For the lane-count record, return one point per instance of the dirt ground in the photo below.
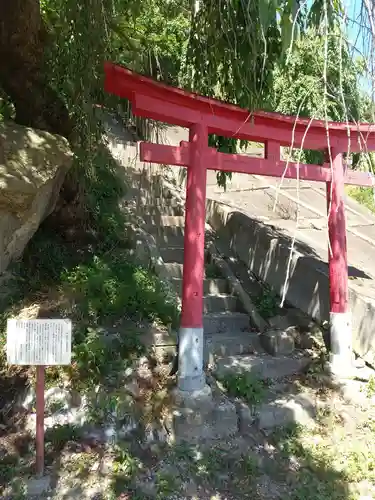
(332, 457)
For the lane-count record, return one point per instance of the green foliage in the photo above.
(267, 302)
(97, 274)
(271, 55)
(104, 289)
(59, 435)
(231, 55)
(112, 286)
(212, 271)
(349, 461)
(235, 46)
(153, 39)
(6, 108)
(313, 85)
(370, 389)
(364, 196)
(245, 386)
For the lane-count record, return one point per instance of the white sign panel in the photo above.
(39, 341)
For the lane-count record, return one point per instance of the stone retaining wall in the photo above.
(265, 249)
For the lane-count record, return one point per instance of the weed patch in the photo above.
(364, 196)
(245, 386)
(87, 272)
(267, 302)
(212, 271)
(329, 462)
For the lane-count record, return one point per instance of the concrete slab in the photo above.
(221, 322)
(210, 285)
(290, 183)
(174, 269)
(232, 343)
(288, 208)
(262, 366)
(201, 416)
(366, 231)
(360, 210)
(254, 202)
(359, 257)
(222, 302)
(282, 411)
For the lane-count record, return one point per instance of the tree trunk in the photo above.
(22, 42)
(23, 39)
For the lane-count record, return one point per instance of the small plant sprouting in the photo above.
(245, 386)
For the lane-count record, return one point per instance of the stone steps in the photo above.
(210, 286)
(261, 365)
(174, 269)
(226, 326)
(166, 210)
(231, 344)
(162, 203)
(220, 302)
(225, 321)
(172, 254)
(168, 241)
(166, 233)
(165, 220)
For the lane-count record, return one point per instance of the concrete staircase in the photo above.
(227, 327)
(230, 339)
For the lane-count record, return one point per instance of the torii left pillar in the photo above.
(191, 376)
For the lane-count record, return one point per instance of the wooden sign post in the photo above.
(39, 342)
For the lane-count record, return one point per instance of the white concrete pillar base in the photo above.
(191, 376)
(341, 357)
(197, 397)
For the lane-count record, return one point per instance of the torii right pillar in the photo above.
(340, 316)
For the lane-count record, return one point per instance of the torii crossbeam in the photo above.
(204, 116)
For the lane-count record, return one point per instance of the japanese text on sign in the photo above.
(39, 341)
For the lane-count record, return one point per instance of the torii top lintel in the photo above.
(175, 106)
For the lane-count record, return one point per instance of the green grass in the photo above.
(85, 270)
(212, 271)
(267, 302)
(364, 196)
(245, 386)
(332, 463)
(370, 387)
(219, 470)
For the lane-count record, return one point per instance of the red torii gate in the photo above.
(204, 116)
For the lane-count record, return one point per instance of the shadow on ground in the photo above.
(293, 462)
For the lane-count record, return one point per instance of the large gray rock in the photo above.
(277, 342)
(33, 165)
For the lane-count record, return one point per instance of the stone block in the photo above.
(38, 486)
(305, 332)
(277, 342)
(282, 411)
(200, 415)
